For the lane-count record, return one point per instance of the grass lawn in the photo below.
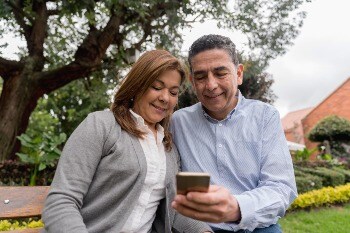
(332, 219)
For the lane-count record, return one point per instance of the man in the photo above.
(240, 142)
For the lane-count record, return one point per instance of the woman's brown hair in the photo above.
(143, 73)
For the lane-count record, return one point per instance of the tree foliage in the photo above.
(40, 152)
(71, 40)
(256, 81)
(335, 132)
(331, 128)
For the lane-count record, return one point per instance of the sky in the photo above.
(312, 68)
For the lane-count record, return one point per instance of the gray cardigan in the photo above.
(99, 179)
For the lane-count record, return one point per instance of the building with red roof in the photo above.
(298, 124)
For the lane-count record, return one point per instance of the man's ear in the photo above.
(240, 69)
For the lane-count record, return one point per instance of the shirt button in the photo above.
(220, 145)
(220, 124)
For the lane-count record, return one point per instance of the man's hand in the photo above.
(217, 205)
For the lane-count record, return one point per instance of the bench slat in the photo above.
(24, 201)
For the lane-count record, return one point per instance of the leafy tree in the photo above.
(70, 104)
(304, 155)
(256, 81)
(187, 96)
(40, 152)
(334, 130)
(71, 40)
(331, 128)
(63, 109)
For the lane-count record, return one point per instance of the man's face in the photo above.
(216, 79)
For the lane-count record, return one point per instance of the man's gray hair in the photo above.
(212, 41)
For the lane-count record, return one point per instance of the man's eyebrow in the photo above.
(216, 69)
(220, 68)
(198, 72)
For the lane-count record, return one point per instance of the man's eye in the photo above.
(220, 74)
(199, 77)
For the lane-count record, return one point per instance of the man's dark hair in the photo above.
(212, 41)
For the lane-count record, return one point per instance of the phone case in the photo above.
(192, 181)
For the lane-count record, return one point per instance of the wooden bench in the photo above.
(22, 202)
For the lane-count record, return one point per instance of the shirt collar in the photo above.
(140, 122)
(228, 117)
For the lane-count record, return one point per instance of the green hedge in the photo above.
(9, 225)
(345, 172)
(324, 196)
(307, 182)
(329, 177)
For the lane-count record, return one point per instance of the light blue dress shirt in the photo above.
(247, 153)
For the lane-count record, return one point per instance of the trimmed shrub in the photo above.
(9, 225)
(335, 130)
(307, 182)
(332, 128)
(332, 177)
(312, 164)
(345, 172)
(324, 196)
(329, 177)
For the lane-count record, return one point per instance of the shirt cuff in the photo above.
(247, 211)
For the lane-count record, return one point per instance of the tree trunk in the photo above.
(18, 99)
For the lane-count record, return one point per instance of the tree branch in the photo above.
(109, 32)
(53, 12)
(54, 79)
(147, 30)
(95, 44)
(38, 30)
(157, 11)
(87, 58)
(9, 68)
(20, 15)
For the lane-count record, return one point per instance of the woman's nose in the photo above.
(164, 96)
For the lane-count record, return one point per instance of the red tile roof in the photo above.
(295, 117)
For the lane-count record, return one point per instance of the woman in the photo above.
(116, 172)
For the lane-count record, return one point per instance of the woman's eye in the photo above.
(174, 93)
(157, 88)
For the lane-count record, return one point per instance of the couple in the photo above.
(117, 170)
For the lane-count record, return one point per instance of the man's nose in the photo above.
(211, 82)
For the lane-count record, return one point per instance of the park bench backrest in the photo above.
(22, 202)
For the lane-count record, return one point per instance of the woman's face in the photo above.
(160, 99)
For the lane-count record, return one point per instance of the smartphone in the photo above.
(192, 181)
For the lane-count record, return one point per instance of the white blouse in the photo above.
(153, 190)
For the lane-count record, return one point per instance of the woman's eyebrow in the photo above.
(162, 83)
(157, 80)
